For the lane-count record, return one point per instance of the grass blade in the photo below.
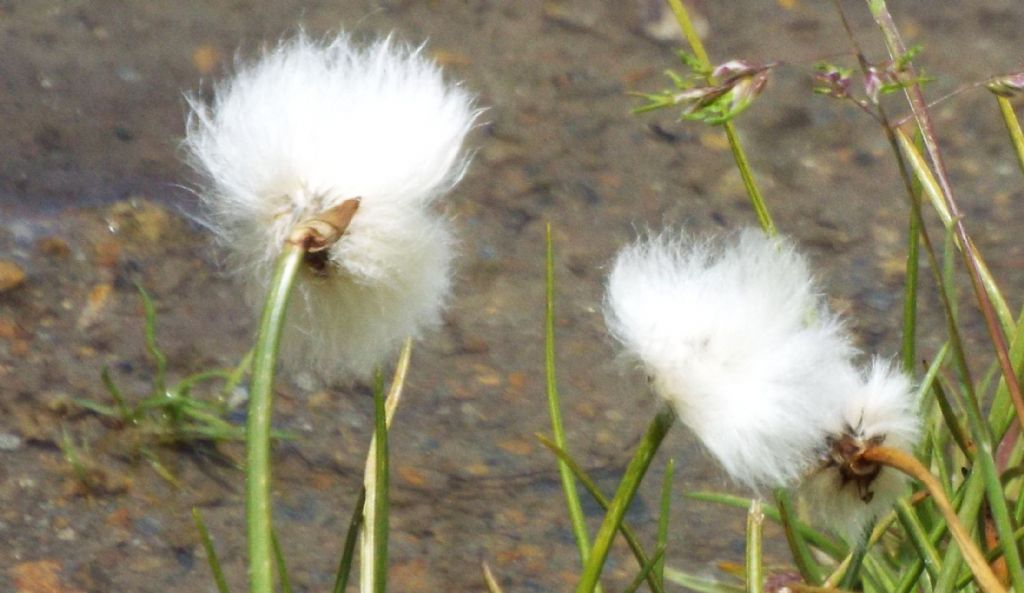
(373, 535)
(827, 545)
(805, 562)
(572, 500)
(623, 496)
(211, 552)
(349, 549)
(1013, 127)
(489, 580)
(663, 517)
(646, 571)
(755, 571)
(907, 464)
(700, 584)
(602, 500)
(150, 333)
(282, 567)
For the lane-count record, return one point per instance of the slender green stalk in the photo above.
(834, 549)
(918, 538)
(211, 552)
(997, 321)
(738, 154)
(663, 517)
(851, 575)
(985, 463)
(282, 566)
(754, 569)
(623, 496)
(646, 571)
(572, 500)
(1013, 127)
(701, 584)
(602, 500)
(809, 569)
(909, 345)
(257, 469)
(355, 523)
(379, 525)
(373, 536)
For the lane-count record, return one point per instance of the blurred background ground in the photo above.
(93, 197)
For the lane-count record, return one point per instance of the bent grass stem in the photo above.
(909, 465)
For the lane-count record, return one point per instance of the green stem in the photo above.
(257, 470)
(663, 517)
(1013, 127)
(349, 549)
(380, 507)
(211, 552)
(623, 496)
(572, 500)
(591, 487)
(738, 154)
(754, 573)
(805, 563)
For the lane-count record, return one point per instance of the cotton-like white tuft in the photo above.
(736, 336)
(308, 126)
(882, 411)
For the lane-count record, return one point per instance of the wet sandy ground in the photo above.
(93, 198)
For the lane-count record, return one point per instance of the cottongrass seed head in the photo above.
(846, 494)
(735, 335)
(307, 126)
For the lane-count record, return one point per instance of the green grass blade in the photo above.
(257, 468)
(700, 584)
(159, 358)
(572, 500)
(834, 549)
(378, 523)
(663, 519)
(373, 536)
(1013, 127)
(348, 551)
(909, 344)
(282, 566)
(122, 405)
(935, 197)
(809, 568)
(852, 574)
(918, 538)
(623, 496)
(602, 500)
(646, 571)
(754, 568)
(211, 552)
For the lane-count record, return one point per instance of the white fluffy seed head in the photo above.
(306, 127)
(735, 335)
(881, 410)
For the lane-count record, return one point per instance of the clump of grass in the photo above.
(190, 413)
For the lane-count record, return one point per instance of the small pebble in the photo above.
(11, 276)
(10, 442)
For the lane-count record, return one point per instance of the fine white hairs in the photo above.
(307, 126)
(735, 334)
